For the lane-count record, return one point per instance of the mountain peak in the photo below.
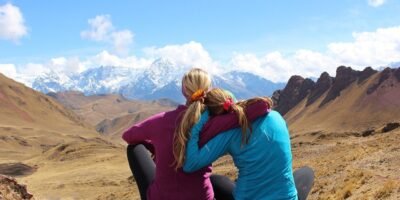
(298, 87)
(365, 74)
(344, 77)
(160, 80)
(163, 62)
(383, 76)
(324, 82)
(296, 90)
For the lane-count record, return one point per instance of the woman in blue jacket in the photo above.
(261, 151)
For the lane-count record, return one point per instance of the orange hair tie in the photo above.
(199, 94)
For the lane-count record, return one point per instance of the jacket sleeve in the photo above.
(197, 158)
(142, 132)
(228, 121)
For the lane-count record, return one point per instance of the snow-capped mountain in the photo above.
(161, 80)
(104, 80)
(53, 82)
(245, 85)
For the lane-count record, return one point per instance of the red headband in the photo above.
(228, 104)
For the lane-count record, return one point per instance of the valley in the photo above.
(67, 145)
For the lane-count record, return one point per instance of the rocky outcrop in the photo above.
(296, 90)
(275, 97)
(390, 126)
(397, 74)
(384, 75)
(365, 74)
(344, 77)
(10, 189)
(299, 88)
(324, 82)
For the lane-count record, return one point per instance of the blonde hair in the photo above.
(216, 99)
(195, 80)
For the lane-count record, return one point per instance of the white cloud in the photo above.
(34, 69)
(187, 55)
(277, 67)
(66, 65)
(105, 58)
(376, 3)
(378, 48)
(12, 25)
(121, 41)
(24, 74)
(8, 70)
(369, 48)
(101, 29)
(27, 73)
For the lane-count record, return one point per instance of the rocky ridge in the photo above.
(299, 88)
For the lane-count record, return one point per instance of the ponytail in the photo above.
(189, 119)
(194, 86)
(243, 122)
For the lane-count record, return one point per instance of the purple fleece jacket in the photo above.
(158, 131)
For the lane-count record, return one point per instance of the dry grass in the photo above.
(72, 162)
(354, 168)
(386, 190)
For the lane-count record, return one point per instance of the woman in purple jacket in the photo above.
(157, 177)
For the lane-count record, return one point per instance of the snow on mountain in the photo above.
(53, 82)
(246, 85)
(104, 80)
(161, 80)
(162, 72)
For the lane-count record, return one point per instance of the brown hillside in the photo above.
(22, 105)
(52, 151)
(350, 105)
(353, 100)
(111, 114)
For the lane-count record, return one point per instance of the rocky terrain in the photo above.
(10, 189)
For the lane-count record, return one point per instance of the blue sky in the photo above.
(259, 36)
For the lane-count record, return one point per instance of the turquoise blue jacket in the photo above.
(264, 164)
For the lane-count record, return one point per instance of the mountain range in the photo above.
(345, 127)
(161, 80)
(353, 100)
